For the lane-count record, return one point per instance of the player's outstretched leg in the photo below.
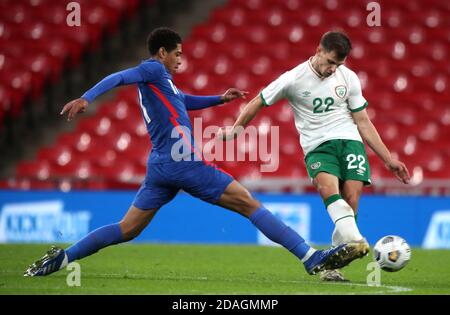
(334, 275)
(313, 260)
(351, 192)
(57, 258)
(52, 261)
(238, 199)
(358, 249)
(355, 249)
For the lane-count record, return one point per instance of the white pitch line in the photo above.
(394, 289)
(389, 288)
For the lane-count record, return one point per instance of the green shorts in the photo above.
(346, 159)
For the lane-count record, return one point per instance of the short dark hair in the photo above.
(162, 37)
(338, 42)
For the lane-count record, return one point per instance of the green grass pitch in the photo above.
(214, 269)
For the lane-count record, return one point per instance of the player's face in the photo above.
(327, 62)
(172, 59)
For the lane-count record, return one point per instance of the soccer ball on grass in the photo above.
(392, 253)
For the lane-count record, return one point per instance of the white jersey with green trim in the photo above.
(322, 106)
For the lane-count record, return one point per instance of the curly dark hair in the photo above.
(162, 37)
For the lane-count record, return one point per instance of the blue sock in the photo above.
(94, 241)
(278, 232)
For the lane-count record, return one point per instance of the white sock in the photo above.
(344, 219)
(336, 238)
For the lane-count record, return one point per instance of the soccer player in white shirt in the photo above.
(331, 118)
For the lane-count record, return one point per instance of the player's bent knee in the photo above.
(239, 199)
(247, 205)
(252, 204)
(129, 232)
(326, 190)
(130, 235)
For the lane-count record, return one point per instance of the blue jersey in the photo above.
(164, 109)
(164, 112)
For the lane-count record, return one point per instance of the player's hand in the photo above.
(74, 107)
(232, 94)
(399, 169)
(226, 133)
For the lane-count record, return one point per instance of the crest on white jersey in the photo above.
(306, 94)
(341, 91)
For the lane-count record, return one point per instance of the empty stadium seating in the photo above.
(36, 44)
(403, 66)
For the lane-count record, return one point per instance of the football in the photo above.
(392, 253)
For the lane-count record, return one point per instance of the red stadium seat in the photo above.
(120, 110)
(35, 68)
(234, 16)
(402, 65)
(16, 13)
(388, 131)
(100, 154)
(128, 94)
(126, 7)
(96, 126)
(75, 169)
(78, 141)
(18, 83)
(33, 169)
(122, 171)
(54, 14)
(429, 161)
(216, 33)
(60, 155)
(28, 26)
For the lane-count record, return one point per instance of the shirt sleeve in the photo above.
(129, 76)
(150, 70)
(145, 72)
(193, 102)
(276, 90)
(356, 101)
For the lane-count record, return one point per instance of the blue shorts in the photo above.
(164, 180)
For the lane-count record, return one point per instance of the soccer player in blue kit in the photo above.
(164, 109)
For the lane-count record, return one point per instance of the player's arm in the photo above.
(370, 134)
(193, 102)
(248, 113)
(79, 105)
(271, 94)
